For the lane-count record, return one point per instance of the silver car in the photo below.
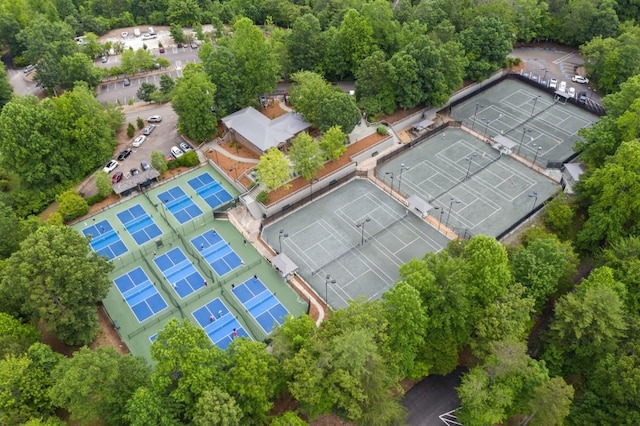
(148, 130)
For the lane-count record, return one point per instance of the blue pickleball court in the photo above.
(217, 252)
(179, 204)
(140, 294)
(263, 305)
(218, 323)
(180, 272)
(139, 224)
(105, 240)
(211, 191)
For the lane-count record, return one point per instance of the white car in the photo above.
(154, 119)
(185, 146)
(553, 83)
(176, 152)
(580, 79)
(139, 141)
(124, 34)
(147, 36)
(572, 92)
(563, 86)
(111, 166)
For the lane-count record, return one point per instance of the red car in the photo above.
(117, 177)
(162, 50)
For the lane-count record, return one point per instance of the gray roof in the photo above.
(505, 141)
(133, 181)
(419, 204)
(263, 132)
(574, 170)
(284, 264)
(422, 125)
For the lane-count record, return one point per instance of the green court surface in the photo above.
(332, 236)
(474, 188)
(529, 117)
(182, 286)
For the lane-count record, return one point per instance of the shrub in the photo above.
(189, 159)
(72, 205)
(382, 130)
(159, 161)
(263, 197)
(140, 123)
(94, 199)
(131, 130)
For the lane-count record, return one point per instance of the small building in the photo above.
(259, 133)
(571, 173)
(422, 126)
(503, 144)
(136, 183)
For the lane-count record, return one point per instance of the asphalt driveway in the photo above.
(432, 401)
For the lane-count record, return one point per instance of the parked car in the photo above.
(147, 36)
(176, 152)
(104, 59)
(136, 32)
(572, 92)
(28, 69)
(154, 119)
(124, 154)
(563, 86)
(161, 50)
(148, 130)
(124, 34)
(111, 166)
(139, 141)
(126, 81)
(185, 147)
(145, 166)
(180, 45)
(134, 171)
(553, 83)
(580, 79)
(117, 177)
(582, 97)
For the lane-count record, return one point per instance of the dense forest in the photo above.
(548, 327)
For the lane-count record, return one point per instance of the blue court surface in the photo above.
(218, 323)
(153, 337)
(179, 204)
(210, 190)
(140, 294)
(263, 305)
(181, 274)
(139, 224)
(218, 254)
(104, 240)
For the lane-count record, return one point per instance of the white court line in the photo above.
(563, 58)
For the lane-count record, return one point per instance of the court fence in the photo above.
(524, 218)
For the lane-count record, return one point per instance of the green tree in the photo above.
(145, 91)
(192, 102)
(375, 84)
(6, 90)
(333, 143)
(146, 407)
(97, 384)
(584, 19)
(379, 14)
(623, 258)
(10, 241)
(65, 302)
(559, 216)
(159, 161)
(78, 67)
(305, 32)
(355, 38)
(72, 205)
(15, 337)
(187, 364)
(222, 68)
(487, 43)
(306, 155)
(184, 12)
(551, 403)
(406, 83)
(176, 33)
(273, 170)
(288, 418)
(216, 407)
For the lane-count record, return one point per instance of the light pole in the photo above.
(474, 115)
(402, 169)
(281, 235)
(328, 280)
(524, 129)
(453, 201)
(534, 104)
(311, 182)
(469, 158)
(534, 195)
(536, 156)
(391, 177)
(441, 213)
(486, 126)
(361, 226)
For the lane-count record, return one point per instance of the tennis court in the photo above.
(545, 130)
(217, 252)
(219, 323)
(179, 272)
(140, 294)
(179, 204)
(139, 224)
(358, 235)
(262, 304)
(210, 190)
(471, 185)
(105, 241)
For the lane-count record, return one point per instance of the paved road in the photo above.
(430, 402)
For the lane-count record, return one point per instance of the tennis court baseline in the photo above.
(219, 323)
(179, 204)
(180, 272)
(139, 224)
(217, 252)
(140, 294)
(263, 305)
(105, 240)
(210, 190)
